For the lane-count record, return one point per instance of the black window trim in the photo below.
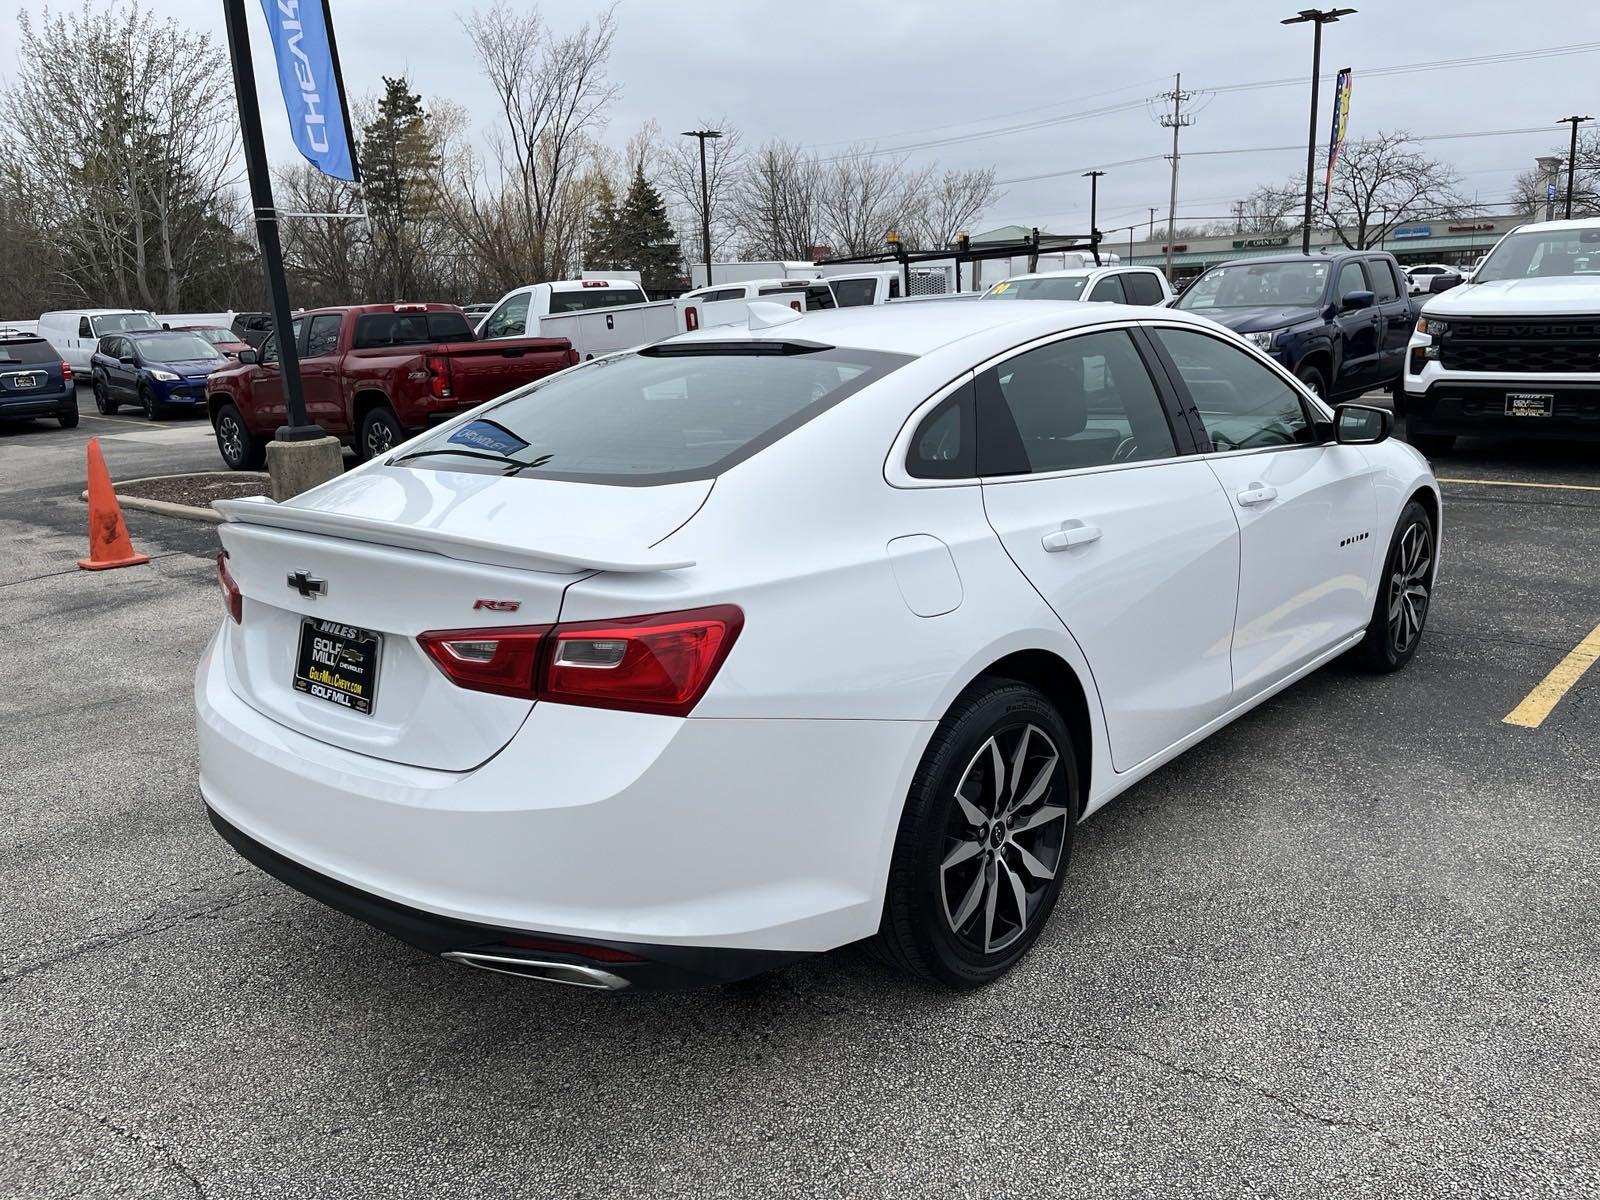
(897, 471)
(1321, 423)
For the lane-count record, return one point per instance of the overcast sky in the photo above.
(835, 72)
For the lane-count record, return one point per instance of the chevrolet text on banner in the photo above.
(1341, 122)
(302, 39)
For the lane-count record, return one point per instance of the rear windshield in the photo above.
(646, 419)
(124, 323)
(27, 350)
(176, 347)
(585, 298)
(1067, 287)
(410, 329)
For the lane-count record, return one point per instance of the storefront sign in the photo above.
(1259, 243)
(1412, 231)
(1178, 249)
(1480, 227)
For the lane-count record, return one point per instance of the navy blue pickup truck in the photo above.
(1340, 320)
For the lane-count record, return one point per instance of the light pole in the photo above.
(1572, 156)
(1318, 18)
(1094, 198)
(705, 194)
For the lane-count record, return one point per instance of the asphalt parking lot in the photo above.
(1346, 947)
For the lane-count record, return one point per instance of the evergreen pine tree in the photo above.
(643, 237)
(600, 243)
(398, 161)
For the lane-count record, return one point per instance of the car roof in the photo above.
(96, 312)
(1329, 255)
(919, 329)
(1573, 223)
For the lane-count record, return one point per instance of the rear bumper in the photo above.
(40, 404)
(1478, 409)
(591, 825)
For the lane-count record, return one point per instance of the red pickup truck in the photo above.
(372, 376)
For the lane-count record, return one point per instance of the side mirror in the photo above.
(128, 360)
(1361, 425)
(1354, 301)
(247, 358)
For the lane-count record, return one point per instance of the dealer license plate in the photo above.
(31, 380)
(339, 664)
(1530, 404)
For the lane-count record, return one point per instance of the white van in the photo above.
(76, 332)
(729, 303)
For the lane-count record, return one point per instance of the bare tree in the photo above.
(862, 198)
(517, 207)
(1529, 194)
(134, 175)
(326, 257)
(1381, 182)
(679, 180)
(776, 203)
(1269, 209)
(939, 206)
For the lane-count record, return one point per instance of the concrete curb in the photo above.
(166, 508)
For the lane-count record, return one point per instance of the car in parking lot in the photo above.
(1425, 278)
(35, 381)
(161, 372)
(252, 328)
(1110, 285)
(226, 341)
(755, 642)
(1339, 321)
(76, 332)
(1516, 352)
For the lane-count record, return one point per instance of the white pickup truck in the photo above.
(597, 316)
(1515, 352)
(729, 303)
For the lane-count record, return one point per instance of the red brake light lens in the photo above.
(439, 381)
(503, 661)
(661, 663)
(232, 597)
(691, 318)
(66, 372)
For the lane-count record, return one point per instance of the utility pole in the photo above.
(1152, 209)
(1175, 120)
(705, 194)
(1318, 18)
(1094, 198)
(1572, 156)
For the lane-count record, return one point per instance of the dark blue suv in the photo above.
(1340, 321)
(34, 381)
(158, 370)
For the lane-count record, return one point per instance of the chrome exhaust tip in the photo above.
(568, 974)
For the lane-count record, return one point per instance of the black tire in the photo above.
(1405, 594)
(935, 925)
(69, 420)
(1397, 397)
(380, 433)
(1431, 444)
(1312, 377)
(241, 449)
(153, 410)
(103, 402)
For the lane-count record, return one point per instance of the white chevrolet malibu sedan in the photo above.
(689, 661)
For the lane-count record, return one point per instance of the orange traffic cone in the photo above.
(108, 536)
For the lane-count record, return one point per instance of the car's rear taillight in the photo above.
(232, 597)
(661, 663)
(66, 372)
(572, 356)
(439, 377)
(503, 662)
(691, 318)
(795, 304)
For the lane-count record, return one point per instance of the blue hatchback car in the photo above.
(161, 371)
(34, 381)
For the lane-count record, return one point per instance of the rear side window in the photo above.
(854, 292)
(819, 296)
(1383, 284)
(408, 329)
(28, 350)
(1142, 287)
(1086, 401)
(944, 446)
(587, 298)
(1109, 290)
(666, 417)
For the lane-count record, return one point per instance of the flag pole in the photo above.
(298, 428)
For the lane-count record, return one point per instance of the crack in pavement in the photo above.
(158, 921)
(1336, 1121)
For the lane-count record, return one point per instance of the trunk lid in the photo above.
(398, 552)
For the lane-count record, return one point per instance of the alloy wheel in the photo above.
(380, 438)
(1005, 838)
(1408, 586)
(229, 440)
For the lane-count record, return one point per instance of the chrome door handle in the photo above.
(1070, 535)
(1258, 493)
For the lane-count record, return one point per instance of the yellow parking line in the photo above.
(1560, 487)
(1536, 705)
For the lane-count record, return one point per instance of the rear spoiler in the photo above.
(553, 555)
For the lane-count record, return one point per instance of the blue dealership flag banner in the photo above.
(308, 72)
